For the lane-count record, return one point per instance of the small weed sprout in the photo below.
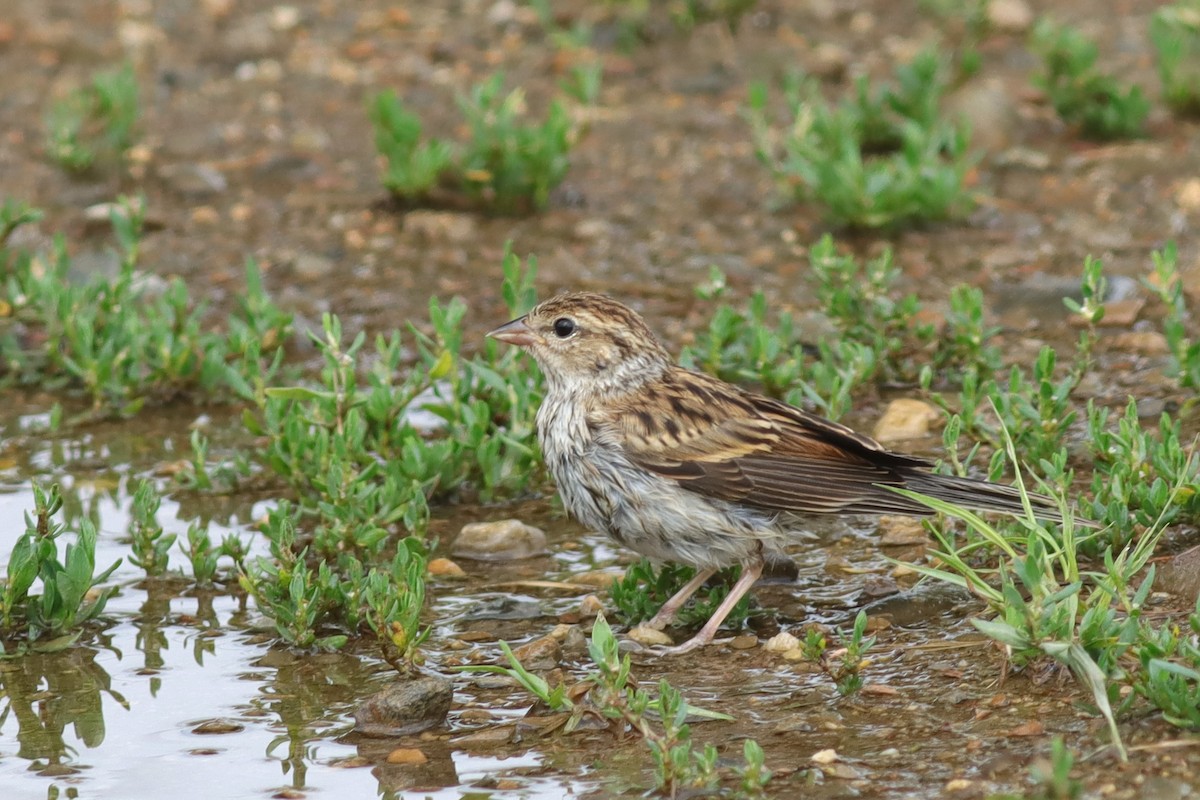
(882, 159)
(95, 123)
(1081, 94)
(843, 666)
(1167, 285)
(610, 692)
(1175, 33)
(1053, 775)
(71, 596)
(151, 544)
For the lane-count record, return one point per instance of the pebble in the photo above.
(405, 707)
(990, 108)
(1188, 195)
(1181, 575)
(781, 642)
(572, 638)
(217, 726)
(1119, 313)
(540, 654)
(901, 531)
(590, 606)
(440, 226)
(406, 755)
(601, 579)
(500, 540)
(829, 61)
(862, 22)
(649, 637)
(488, 737)
(1147, 343)
(905, 418)
(746, 641)
(445, 568)
(589, 229)
(825, 756)
(1009, 16)
(312, 266)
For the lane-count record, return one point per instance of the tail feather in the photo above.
(980, 495)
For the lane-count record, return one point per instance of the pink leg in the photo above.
(750, 574)
(666, 614)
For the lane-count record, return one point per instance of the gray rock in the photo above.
(501, 540)
(1009, 16)
(990, 109)
(313, 266)
(1181, 576)
(405, 707)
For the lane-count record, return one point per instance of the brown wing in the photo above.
(726, 443)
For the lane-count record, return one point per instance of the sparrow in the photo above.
(680, 466)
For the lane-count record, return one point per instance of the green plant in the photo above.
(360, 467)
(1169, 678)
(882, 159)
(414, 167)
(846, 671)
(70, 598)
(644, 20)
(967, 25)
(1044, 604)
(394, 599)
(877, 340)
(1139, 477)
(13, 214)
(126, 341)
(1168, 286)
(1080, 94)
(1034, 406)
(352, 452)
(94, 123)
(151, 545)
(642, 590)
(507, 164)
(1053, 775)
(1175, 33)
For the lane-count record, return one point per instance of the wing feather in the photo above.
(734, 445)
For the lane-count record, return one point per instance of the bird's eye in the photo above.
(564, 327)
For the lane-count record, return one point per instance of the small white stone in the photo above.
(782, 642)
(905, 418)
(649, 637)
(825, 756)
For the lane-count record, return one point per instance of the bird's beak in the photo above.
(515, 332)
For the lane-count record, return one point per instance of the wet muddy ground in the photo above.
(255, 143)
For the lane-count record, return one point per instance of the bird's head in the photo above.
(583, 338)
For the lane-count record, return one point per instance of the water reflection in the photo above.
(47, 693)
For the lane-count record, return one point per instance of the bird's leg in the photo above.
(750, 573)
(666, 614)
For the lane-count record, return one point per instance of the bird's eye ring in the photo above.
(564, 327)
